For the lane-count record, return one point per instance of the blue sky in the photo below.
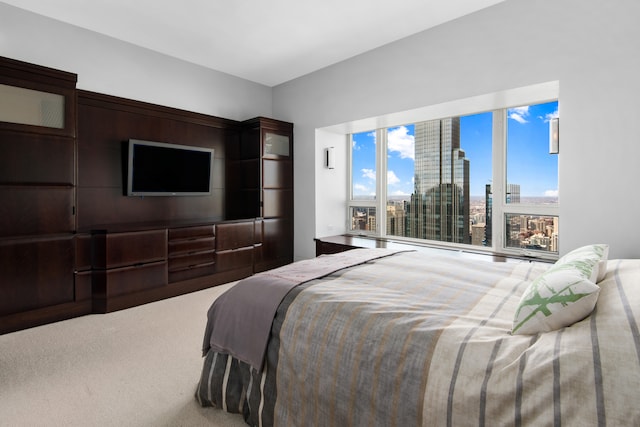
(528, 160)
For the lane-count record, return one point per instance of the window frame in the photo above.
(500, 208)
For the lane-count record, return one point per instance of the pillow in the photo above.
(559, 297)
(595, 260)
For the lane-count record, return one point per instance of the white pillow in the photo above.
(559, 297)
(593, 256)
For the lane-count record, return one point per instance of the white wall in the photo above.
(331, 193)
(590, 47)
(110, 66)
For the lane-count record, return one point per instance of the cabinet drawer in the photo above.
(192, 272)
(123, 249)
(191, 260)
(191, 232)
(125, 280)
(237, 258)
(234, 235)
(177, 247)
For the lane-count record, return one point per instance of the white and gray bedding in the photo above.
(239, 321)
(424, 339)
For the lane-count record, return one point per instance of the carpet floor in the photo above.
(134, 367)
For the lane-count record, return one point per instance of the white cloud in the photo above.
(399, 193)
(392, 178)
(551, 193)
(550, 116)
(360, 188)
(357, 147)
(369, 173)
(519, 114)
(399, 140)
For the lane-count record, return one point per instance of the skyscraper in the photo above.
(488, 211)
(439, 207)
(513, 193)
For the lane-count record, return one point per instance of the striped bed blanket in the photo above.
(239, 321)
(416, 339)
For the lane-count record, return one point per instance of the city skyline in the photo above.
(430, 178)
(528, 161)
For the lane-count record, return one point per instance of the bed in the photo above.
(372, 337)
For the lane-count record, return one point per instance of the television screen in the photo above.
(160, 169)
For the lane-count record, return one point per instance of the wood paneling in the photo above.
(276, 231)
(277, 174)
(35, 273)
(34, 159)
(105, 124)
(35, 210)
(277, 203)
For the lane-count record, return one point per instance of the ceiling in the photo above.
(265, 41)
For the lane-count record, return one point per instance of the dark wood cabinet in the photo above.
(263, 157)
(112, 250)
(37, 197)
(235, 244)
(36, 273)
(132, 267)
(334, 245)
(124, 263)
(72, 242)
(192, 252)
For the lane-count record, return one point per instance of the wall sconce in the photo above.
(329, 158)
(554, 136)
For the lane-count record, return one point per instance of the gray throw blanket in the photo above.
(239, 321)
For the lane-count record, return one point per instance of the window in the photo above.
(531, 196)
(532, 173)
(482, 179)
(363, 183)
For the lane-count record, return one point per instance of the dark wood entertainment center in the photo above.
(71, 241)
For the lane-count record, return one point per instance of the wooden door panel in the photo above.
(36, 273)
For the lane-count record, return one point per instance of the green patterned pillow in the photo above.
(560, 297)
(593, 256)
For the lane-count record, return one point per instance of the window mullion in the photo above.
(350, 171)
(499, 153)
(381, 181)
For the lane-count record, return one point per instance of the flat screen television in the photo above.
(161, 169)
